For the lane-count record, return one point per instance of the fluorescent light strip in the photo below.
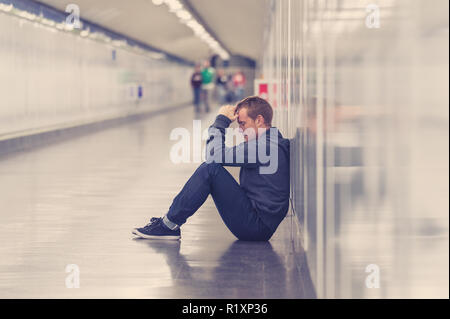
(185, 17)
(85, 33)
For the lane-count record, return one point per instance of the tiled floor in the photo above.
(76, 202)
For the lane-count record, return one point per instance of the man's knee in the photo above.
(212, 168)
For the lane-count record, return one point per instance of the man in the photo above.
(208, 74)
(239, 84)
(196, 83)
(221, 85)
(252, 210)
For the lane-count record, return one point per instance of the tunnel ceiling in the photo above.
(237, 24)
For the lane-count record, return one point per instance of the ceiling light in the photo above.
(174, 5)
(183, 14)
(6, 8)
(186, 18)
(84, 33)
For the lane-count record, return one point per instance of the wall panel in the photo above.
(366, 107)
(52, 78)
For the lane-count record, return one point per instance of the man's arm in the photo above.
(243, 155)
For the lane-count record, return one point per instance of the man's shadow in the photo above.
(244, 270)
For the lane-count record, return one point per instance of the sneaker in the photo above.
(157, 230)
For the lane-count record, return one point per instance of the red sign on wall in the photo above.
(266, 90)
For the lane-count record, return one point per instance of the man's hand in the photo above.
(229, 111)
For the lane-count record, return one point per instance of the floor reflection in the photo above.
(244, 270)
(74, 202)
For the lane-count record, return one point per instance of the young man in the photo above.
(208, 74)
(196, 83)
(239, 84)
(252, 210)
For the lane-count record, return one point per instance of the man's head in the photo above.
(253, 113)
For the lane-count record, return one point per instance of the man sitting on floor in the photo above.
(252, 210)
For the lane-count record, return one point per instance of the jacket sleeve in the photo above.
(243, 155)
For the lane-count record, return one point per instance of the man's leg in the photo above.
(202, 96)
(231, 201)
(207, 97)
(197, 99)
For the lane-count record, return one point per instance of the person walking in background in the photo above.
(208, 74)
(239, 84)
(229, 97)
(196, 83)
(221, 86)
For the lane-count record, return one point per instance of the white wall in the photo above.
(367, 109)
(53, 78)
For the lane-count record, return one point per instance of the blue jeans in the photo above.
(205, 96)
(239, 93)
(231, 201)
(197, 92)
(221, 93)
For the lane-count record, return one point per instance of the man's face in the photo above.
(247, 125)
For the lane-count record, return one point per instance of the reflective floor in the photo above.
(75, 202)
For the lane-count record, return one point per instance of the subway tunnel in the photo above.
(100, 130)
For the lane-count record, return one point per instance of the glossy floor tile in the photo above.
(75, 202)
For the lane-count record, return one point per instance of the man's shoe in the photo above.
(157, 230)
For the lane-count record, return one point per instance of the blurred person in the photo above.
(229, 97)
(221, 86)
(252, 210)
(196, 83)
(239, 82)
(208, 74)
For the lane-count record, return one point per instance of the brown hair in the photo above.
(256, 106)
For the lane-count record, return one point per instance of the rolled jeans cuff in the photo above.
(169, 224)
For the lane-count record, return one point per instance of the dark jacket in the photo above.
(196, 80)
(264, 176)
